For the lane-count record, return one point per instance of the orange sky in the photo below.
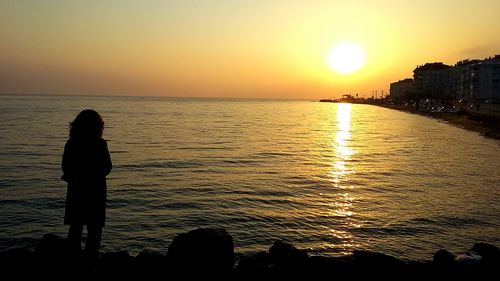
(264, 49)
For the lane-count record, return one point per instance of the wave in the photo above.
(450, 221)
(174, 164)
(393, 231)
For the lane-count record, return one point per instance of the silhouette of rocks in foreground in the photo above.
(208, 254)
(202, 252)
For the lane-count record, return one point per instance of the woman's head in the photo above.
(88, 124)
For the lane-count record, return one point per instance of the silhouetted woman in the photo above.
(86, 163)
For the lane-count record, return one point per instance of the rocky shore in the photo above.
(208, 254)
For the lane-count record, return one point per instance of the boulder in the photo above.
(372, 264)
(51, 246)
(287, 262)
(376, 259)
(16, 264)
(444, 266)
(443, 258)
(253, 267)
(490, 262)
(340, 267)
(116, 265)
(151, 264)
(202, 252)
(469, 258)
(488, 252)
(54, 256)
(285, 253)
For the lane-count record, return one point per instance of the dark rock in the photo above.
(17, 264)
(151, 258)
(283, 253)
(52, 245)
(443, 258)
(116, 264)
(340, 267)
(208, 254)
(377, 259)
(377, 264)
(15, 256)
(253, 267)
(444, 265)
(490, 262)
(287, 262)
(490, 253)
(151, 264)
(419, 270)
(468, 259)
(54, 256)
(202, 252)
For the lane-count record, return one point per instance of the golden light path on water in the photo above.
(340, 172)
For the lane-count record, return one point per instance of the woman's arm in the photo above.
(107, 160)
(66, 164)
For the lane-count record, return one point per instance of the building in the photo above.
(460, 86)
(402, 89)
(431, 80)
(476, 80)
(470, 81)
(485, 83)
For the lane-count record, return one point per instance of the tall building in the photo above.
(485, 79)
(432, 80)
(476, 80)
(460, 87)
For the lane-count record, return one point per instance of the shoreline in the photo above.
(485, 127)
(208, 253)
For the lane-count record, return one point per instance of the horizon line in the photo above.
(5, 94)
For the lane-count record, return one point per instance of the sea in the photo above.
(329, 178)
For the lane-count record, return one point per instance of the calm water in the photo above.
(329, 178)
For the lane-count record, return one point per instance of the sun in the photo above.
(346, 58)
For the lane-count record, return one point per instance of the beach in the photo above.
(484, 126)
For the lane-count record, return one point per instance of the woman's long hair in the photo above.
(87, 125)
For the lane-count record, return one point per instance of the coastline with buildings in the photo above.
(472, 86)
(466, 94)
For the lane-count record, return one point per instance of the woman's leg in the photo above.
(94, 235)
(75, 236)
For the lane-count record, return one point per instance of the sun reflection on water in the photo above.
(342, 149)
(339, 174)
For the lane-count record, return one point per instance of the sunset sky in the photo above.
(264, 49)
